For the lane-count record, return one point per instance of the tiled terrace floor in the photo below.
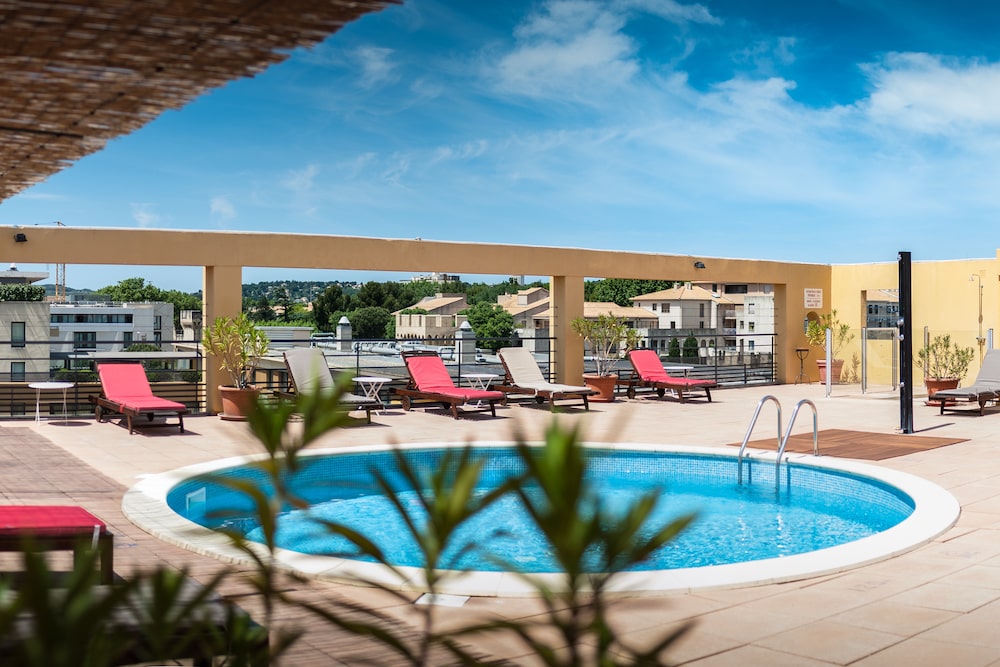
(936, 605)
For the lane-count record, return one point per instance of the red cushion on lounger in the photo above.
(430, 375)
(124, 381)
(47, 520)
(647, 365)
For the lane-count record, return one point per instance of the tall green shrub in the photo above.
(22, 292)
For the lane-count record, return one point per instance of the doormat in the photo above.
(857, 444)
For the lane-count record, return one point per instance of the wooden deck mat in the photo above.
(857, 444)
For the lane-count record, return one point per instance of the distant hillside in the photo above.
(298, 290)
(50, 290)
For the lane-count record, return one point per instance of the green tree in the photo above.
(137, 289)
(674, 348)
(283, 301)
(332, 301)
(132, 289)
(690, 347)
(493, 325)
(621, 290)
(262, 311)
(370, 322)
(389, 295)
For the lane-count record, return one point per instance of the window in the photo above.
(701, 324)
(127, 338)
(653, 308)
(665, 307)
(752, 325)
(701, 310)
(85, 340)
(673, 325)
(158, 322)
(17, 334)
(17, 371)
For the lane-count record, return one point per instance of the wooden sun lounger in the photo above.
(523, 376)
(308, 371)
(648, 373)
(126, 391)
(430, 383)
(57, 528)
(986, 388)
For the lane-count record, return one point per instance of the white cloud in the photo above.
(579, 48)
(932, 94)
(376, 66)
(222, 209)
(143, 215)
(302, 180)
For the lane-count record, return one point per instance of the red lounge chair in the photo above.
(56, 527)
(648, 372)
(430, 382)
(125, 391)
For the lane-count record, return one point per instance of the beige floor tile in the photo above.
(948, 597)
(978, 628)
(919, 652)
(827, 640)
(894, 617)
(744, 656)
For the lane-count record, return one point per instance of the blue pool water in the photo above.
(816, 508)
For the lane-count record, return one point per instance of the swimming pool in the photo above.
(899, 512)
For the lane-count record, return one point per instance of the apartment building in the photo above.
(440, 322)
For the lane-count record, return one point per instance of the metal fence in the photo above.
(179, 375)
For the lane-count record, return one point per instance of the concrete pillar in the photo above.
(344, 334)
(566, 298)
(222, 296)
(465, 344)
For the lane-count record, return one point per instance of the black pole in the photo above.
(905, 344)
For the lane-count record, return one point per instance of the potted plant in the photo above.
(608, 337)
(944, 363)
(841, 336)
(237, 345)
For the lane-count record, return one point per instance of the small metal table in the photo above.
(802, 353)
(371, 385)
(41, 386)
(480, 381)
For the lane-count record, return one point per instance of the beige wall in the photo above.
(944, 300)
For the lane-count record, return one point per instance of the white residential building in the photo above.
(109, 327)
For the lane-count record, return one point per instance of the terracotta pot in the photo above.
(934, 385)
(237, 403)
(604, 385)
(836, 368)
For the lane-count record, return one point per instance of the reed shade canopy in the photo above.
(75, 74)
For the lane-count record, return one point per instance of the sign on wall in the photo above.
(813, 298)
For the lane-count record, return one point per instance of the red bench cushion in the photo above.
(47, 521)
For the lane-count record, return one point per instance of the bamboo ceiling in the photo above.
(77, 73)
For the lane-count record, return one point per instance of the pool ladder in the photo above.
(782, 439)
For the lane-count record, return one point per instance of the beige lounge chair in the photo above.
(308, 372)
(986, 388)
(523, 376)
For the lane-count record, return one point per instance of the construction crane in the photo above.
(60, 277)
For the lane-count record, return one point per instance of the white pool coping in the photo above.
(936, 510)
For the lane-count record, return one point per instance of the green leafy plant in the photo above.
(942, 359)
(816, 333)
(237, 345)
(609, 338)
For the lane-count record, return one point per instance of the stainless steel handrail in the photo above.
(746, 438)
(784, 439)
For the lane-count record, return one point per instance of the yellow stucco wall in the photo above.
(945, 300)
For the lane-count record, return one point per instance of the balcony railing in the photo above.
(179, 375)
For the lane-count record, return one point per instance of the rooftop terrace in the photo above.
(936, 604)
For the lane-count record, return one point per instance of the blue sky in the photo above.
(833, 132)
